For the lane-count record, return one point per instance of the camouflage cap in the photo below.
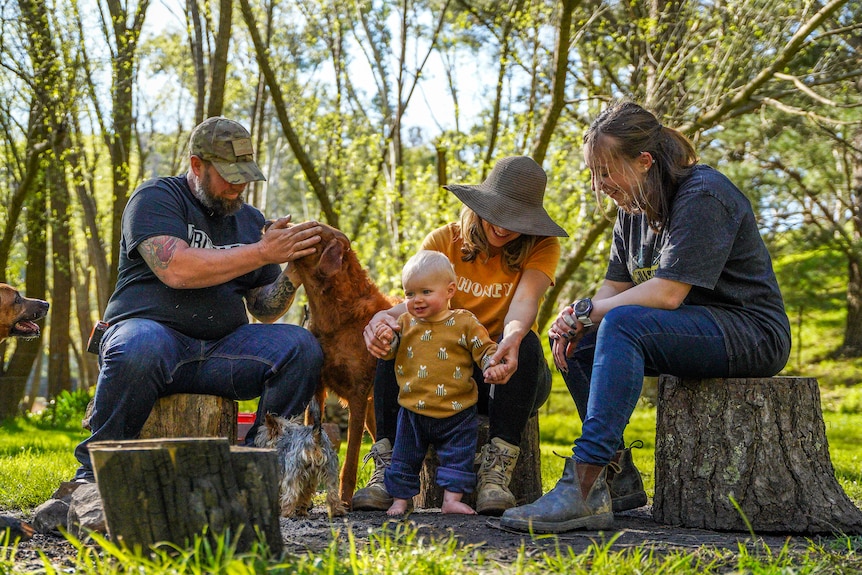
(227, 144)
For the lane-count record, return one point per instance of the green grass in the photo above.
(34, 459)
(398, 548)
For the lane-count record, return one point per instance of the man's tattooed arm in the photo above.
(158, 252)
(268, 303)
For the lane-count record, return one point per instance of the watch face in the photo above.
(582, 306)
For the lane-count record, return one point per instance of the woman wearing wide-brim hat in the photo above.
(505, 252)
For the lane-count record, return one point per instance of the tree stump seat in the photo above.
(526, 483)
(174, 490)
(192, 415)
(758, 444)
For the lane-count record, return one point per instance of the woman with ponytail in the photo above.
(689, 291)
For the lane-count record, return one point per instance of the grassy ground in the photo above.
(35, 456)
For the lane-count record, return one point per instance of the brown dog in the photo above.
(17, 314)
(341, 300)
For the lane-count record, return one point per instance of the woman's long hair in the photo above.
(514, 253)
(623, 131)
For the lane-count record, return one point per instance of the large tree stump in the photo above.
(761, 442)
(172, 490)
(192, 415)
(526, 483)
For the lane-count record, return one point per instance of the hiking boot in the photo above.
(626, 485)
(374, 497)
(497, 460)
(580, 500)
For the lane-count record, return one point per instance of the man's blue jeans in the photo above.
(142, 360)
(606, 370)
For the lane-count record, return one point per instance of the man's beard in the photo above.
(218, 206)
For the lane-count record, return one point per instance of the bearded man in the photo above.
(193, 265)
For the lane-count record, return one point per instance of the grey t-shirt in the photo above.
(711, 242)
(167, 207)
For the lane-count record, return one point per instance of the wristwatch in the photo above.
(583, 308)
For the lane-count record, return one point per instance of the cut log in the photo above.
(760, 442)
(173, 490)
(526, 483)
(192, 415)
(258, 478)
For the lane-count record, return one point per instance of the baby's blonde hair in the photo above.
(427, 264)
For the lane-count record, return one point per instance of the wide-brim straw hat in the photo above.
(511, 197)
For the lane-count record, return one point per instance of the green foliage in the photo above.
(66, 409)
(852, 401)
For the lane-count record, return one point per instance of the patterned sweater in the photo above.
(434, 362)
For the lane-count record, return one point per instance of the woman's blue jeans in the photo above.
(142, 360)
(606, 370)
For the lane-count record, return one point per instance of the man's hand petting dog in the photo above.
(17, 314)
(284, 242)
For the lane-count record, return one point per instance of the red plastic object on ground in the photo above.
(244, 421)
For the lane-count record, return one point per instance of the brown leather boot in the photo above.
(625, 484)
(580, 500)
(373, 497)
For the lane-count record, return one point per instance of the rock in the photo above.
(49, 517)
(64, 492)
(86, 513)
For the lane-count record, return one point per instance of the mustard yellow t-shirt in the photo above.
(487, 288)
(434, 362)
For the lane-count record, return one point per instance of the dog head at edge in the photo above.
(18, 314)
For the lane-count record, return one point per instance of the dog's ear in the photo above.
(330, 259)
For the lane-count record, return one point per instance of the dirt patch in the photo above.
(315, 533)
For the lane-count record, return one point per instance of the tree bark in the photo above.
(175, 490)
(558, 87)
(13, 375)
(757, 443)
(119, 140)
(192, 415)
(218, 65)
(59, 370)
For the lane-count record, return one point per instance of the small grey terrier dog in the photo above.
(306, 460)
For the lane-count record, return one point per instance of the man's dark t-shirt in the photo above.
(711, 242)
(167, 207)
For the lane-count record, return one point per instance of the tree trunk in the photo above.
(852, 346)
(192, 415)
(558, 86)
(119, 141)
(88, 364)
(218, 64)
(196, 43)
(526, 483)
(59, 371)
(757, 443)
(14, 380)
(173, 490)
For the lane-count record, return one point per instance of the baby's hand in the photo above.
(496, 374)
(384, 333)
